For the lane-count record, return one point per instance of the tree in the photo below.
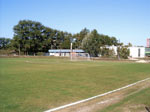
(95, 44)
(79, 37)
(106, 52)
(83, 33)
(114, 41)
(31, 37)
(123, 52)
(90, 43)
(28, 36)
(106, 40)
(129, 44)
(47, 39)
(66, 43)
(5, 43)
(16, 44)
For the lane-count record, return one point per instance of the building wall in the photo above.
(147, 51)
(59, 54)
(54, 54)
(137, 52)
(113, 48)
(148, 42)
(63, 52)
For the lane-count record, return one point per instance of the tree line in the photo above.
(31, 37)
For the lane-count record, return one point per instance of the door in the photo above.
(139, 52)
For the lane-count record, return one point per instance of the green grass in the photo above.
(37, 84)
(135, 102)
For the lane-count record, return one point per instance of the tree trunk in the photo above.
(19, 49)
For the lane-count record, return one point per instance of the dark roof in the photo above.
(65, 50)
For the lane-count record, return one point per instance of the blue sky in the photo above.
(127, 20)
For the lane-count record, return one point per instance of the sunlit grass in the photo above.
(134, 103)
(37, 84)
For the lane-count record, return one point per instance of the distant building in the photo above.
(135, 52)
(147, 51)
(63, 52)
(148, 42)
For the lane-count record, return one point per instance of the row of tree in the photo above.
(5, 43)
(94, 43)
(31, 37)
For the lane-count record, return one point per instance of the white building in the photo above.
(63, 52)
(135, 52)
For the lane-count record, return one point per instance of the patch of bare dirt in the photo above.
(134, 108)
(102, 102)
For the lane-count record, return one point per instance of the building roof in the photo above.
(65, 50)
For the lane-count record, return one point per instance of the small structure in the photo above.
(135, 52)
(147, 51)
(64, 52)
(148, 42)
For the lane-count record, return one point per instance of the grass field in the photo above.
(37, 84)
(132, 103)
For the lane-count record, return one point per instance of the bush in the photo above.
(6, 52)
(123, 52)
(106, 52)
(40, 54)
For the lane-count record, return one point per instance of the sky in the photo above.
(127, 20)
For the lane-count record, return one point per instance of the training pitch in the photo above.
(38, 84)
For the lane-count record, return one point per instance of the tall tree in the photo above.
(4, 43)
(123, 52)
(94, 42)
(79, 37)
(91, 44)
(30, 35)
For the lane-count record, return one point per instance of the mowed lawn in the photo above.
(37, 84)
(133, 103)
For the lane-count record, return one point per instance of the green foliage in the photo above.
(66, 43)
(40, 54)
(31, 37)
(79, 37)
(106, 40)
(123, 52)
(5, 43)
(106, 52)
(93, 42)
(5, 52)
(28, 36)
(90, 44)
(82, 34)
(129, 44)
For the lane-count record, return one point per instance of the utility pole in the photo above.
(19, 49)
(71, 51)
(118, 50)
